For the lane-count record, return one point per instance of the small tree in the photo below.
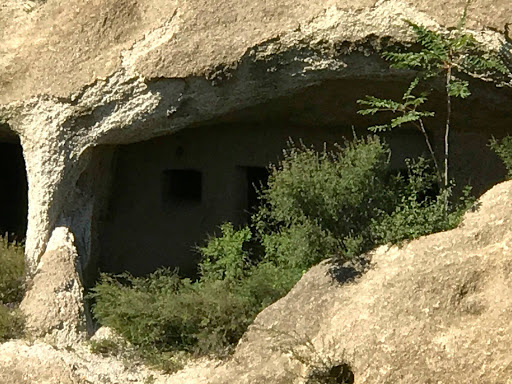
(454, 57)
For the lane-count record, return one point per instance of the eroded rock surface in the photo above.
(54, 302)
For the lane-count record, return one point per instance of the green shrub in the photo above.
(12, 277)
(419, 210)
(12, 272)
(225, 257)
(317, 205)
(503, 149)
(11, 323)
(165, 313)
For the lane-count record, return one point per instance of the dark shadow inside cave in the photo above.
(166, 195)
(13, 191)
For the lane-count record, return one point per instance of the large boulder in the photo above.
(54, 302)
(434, 310)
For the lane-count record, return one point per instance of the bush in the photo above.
(317, 205)
(11, 323)
(165, 313)
(12, 277)
(420, 208)
(12, 272)
(224, 257)
(503, 149)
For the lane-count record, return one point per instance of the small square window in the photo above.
(182, 185)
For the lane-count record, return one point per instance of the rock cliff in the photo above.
(80, 76)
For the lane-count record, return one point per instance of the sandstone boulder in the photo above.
(54, 303)
(435, 310)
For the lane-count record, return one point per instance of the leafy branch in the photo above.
(453, 56)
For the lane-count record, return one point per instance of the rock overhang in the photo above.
(114, 73)
(59, 48)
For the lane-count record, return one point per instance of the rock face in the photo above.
(435, 310)
(27, 363)
(54, 302)
(79, 77)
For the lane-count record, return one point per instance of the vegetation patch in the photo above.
(503, 149)
(328, 204)
(12, 288)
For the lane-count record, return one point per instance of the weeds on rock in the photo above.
(315, 365)
(12, 272)
(12, 289)
(105, 347)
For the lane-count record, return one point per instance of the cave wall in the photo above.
(143, 226)
(147, 227)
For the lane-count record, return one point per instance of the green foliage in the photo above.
(418, 210)
(406, 109)
(12, 272)
(439, 52)
(317, 205)
(454, 57)
(12, 278)
(503, 149)
(11, 323)
(164, 313)
(224, 257)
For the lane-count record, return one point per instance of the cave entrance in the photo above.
(13, 191)
(168, 194)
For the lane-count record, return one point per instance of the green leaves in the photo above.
(407, 108)
(444, 54)
(458, 88)
(12, 272)
(406, 118)
(503, 148)
(224, 257)
(454, 56)
(378, 105)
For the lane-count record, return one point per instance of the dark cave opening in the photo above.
(13, 191)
